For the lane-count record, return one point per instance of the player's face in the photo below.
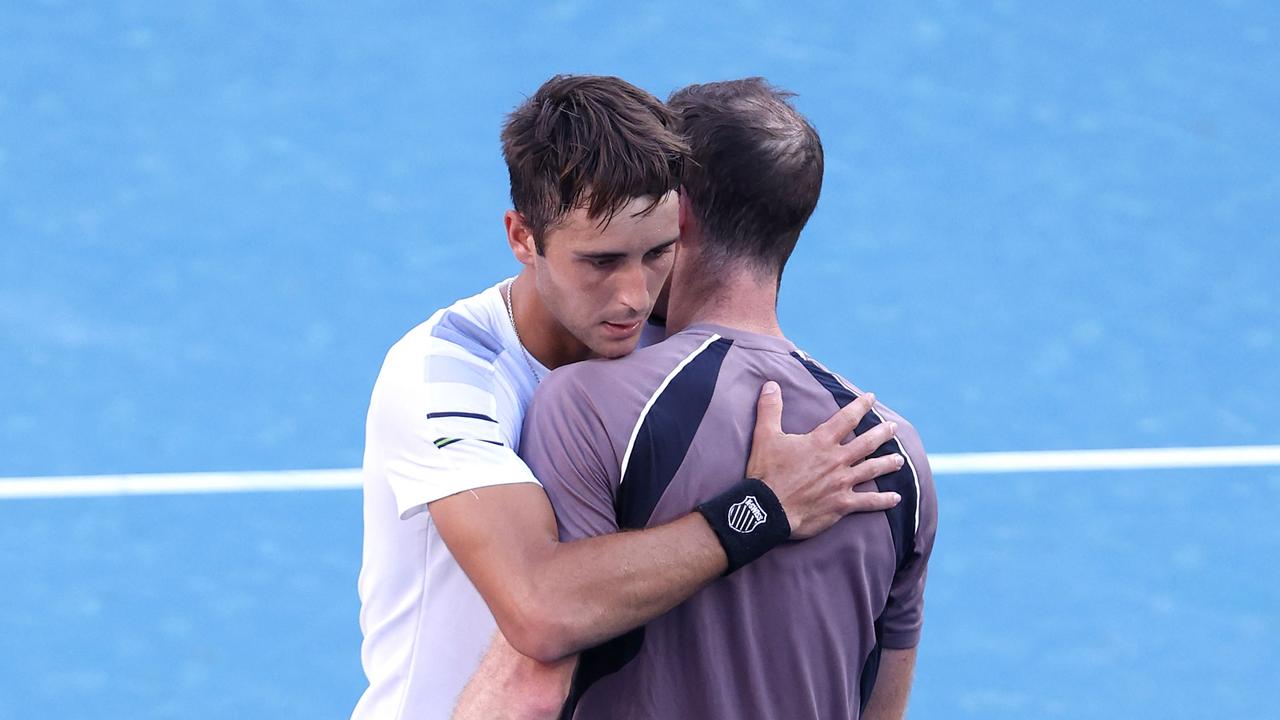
(601, 284)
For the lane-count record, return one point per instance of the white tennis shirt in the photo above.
(444, 418)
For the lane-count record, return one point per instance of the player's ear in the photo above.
(519, 237)
(684, 209)
(688, 222)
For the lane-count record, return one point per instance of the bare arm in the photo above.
(510, 686)
(551, 599)
(893, 686)
(903, 615)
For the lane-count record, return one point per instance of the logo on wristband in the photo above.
(747, 515)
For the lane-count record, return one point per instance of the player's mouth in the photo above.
(621, 331)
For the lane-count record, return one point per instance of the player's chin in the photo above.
(615, 347)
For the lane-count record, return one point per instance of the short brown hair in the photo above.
(589, 141)
(754, 173)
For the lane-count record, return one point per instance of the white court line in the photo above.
(177, 483)
(942, 464)
(1130, 459)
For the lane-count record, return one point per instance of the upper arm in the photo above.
(434, 437)
(498, 535)
(505, 536)
(892, 690)
(502, 535)
(903, 615)
(567, 446)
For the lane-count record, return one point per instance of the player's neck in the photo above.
(736, 298)
(541, 334)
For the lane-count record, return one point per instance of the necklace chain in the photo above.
(511, 315)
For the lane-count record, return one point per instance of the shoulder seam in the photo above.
(906, 456)
(635, 431)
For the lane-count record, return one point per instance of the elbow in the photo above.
(537, 631)
(545, 638)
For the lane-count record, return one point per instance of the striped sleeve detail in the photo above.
(458, 414)
(460, 394)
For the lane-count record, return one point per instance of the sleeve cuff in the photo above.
(413, 493)
(408, 507)
(904, 640)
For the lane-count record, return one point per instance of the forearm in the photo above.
(893, 686)
(593, 589)
(551, 599)
(510, 686)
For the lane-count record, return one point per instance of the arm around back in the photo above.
(551, 599)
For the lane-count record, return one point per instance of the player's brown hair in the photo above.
(589, 141)
(754, 172)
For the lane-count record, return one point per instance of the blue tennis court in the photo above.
(1056, 227)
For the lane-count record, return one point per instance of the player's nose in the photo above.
(632, 290)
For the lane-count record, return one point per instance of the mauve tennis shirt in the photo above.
(640, 441)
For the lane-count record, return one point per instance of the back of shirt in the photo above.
(640, 441)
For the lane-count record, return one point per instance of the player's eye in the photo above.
(603, 263)
(658, 252)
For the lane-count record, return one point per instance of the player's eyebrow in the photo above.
(600, 256)
(663, 245)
